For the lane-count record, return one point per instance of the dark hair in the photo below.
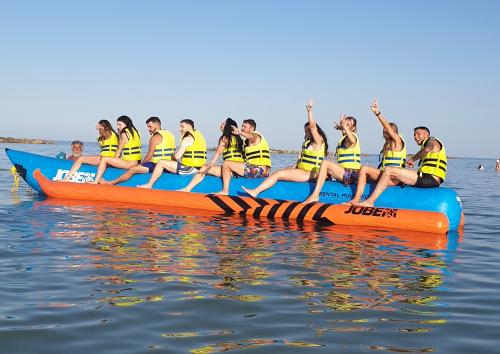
(188, 121)
(320, 132)
(228, 133)
(154, 120)
(76, 142)
(128, 124)
(423, 128)
(107, 126)
(354, 122)
(251, 122)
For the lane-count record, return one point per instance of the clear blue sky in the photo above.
(66, 64)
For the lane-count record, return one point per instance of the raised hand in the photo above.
(309, 105)
(236, 131)
(374, 107)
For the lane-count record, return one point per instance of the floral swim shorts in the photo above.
(254, 171)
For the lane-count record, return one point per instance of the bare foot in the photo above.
(311, 199)
(365, 203)
(351, 202)
(103, 181)
(145, 186)
(221, 193)
(252, 192)
(185, 189)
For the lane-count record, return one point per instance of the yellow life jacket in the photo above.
(310, 160)
(394, 158)
(165, 149)
(195, 154)
(231, 152)
(259, 154)
(349, 157)
(132, 149)
(109, 146)
(434, 163)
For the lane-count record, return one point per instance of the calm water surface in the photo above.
(107, 278)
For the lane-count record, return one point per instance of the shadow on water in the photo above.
(210, 283)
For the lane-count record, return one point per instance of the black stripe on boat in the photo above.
(238, 200)
(273, 210)
(220, 203)
(319, 213)
(289, 210)
(304, 211)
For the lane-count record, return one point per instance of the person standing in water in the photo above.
(393, 154)
(314, 150)
(107, 139)
(129, 148)
(230, 147)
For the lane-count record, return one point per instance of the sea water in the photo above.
(80, 277)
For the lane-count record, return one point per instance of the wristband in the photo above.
(377, 114)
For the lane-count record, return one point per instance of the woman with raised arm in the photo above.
(231, 148)
(314, 150)
(129, 148)
(393, 154)
(107, 139)
(348, 153)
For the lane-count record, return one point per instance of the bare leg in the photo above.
(365, 172)
(127, 175)
(390, 175)
(91, 160)
(287, 174)
(214, 171)
(112, 161)
(160, 165)
(327, 168)
(228, 167)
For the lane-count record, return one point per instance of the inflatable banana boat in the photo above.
(432, 210)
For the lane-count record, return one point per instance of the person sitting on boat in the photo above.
(393, 154)
(314, 150)
(431, 172)
(107, 139)
(161, 147)
(231, 148)
(257, 157)
(129, 148)
(187, 159)
(348, 162)
(76, 150)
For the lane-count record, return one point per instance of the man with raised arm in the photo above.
(431, 171)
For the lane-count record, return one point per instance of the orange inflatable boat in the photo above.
(414, 220)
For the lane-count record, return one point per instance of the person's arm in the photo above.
(430, 145)
(345, 129)
(185, 142)
(316, 137)
(251, 137)
(220, 148)
(155, 140)
(121, 142)
(394, 136)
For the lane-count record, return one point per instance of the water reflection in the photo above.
(348, 279)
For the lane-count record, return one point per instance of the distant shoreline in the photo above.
(25, 140)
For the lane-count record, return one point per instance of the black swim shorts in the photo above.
(425, 180)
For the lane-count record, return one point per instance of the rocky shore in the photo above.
(25, 140)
